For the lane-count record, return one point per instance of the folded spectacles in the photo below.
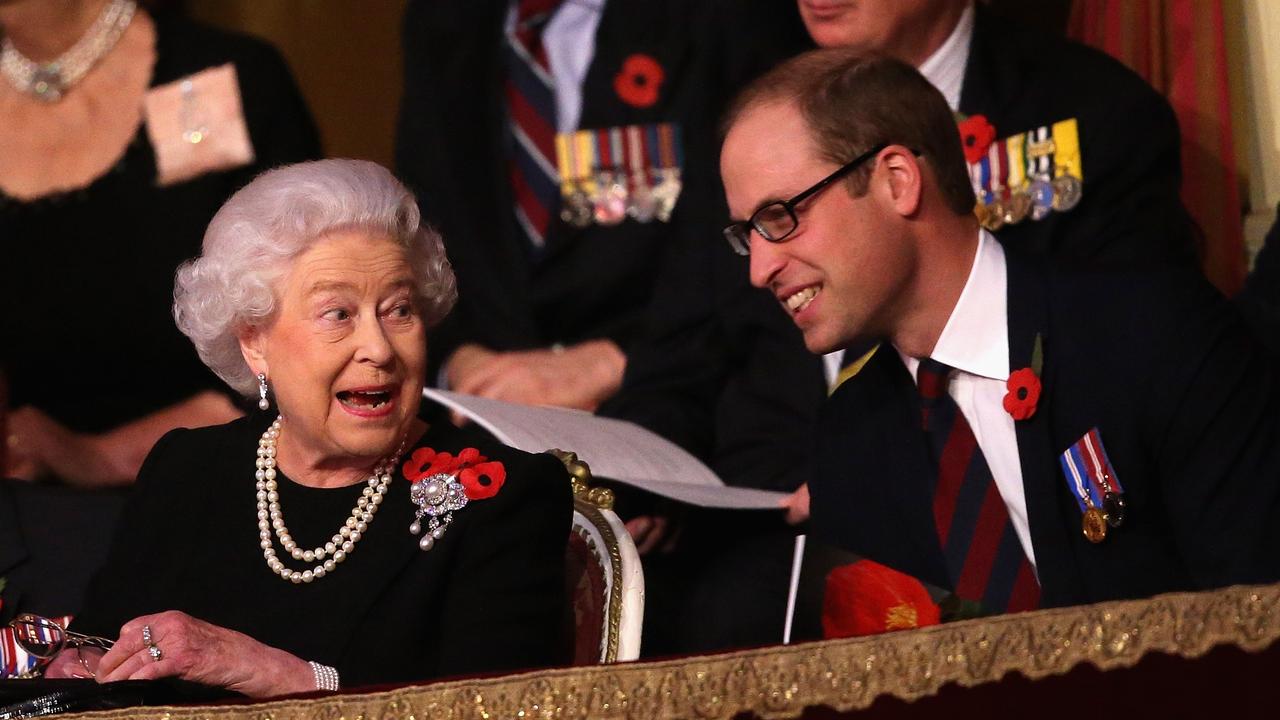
(43, 638)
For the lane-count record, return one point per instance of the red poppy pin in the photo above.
(639, 80)
(443, 484)
(1023, 386)
(976, 136)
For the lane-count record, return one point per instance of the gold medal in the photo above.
(1016, 207)
(1094, 525)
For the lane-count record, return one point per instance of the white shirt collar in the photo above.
(976, 337)
(944, 69)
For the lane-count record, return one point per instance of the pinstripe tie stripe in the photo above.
(981, 547)
(530, 97)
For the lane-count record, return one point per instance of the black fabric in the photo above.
(1184, 399)
(594, 282)
(52, 539)
(1260, 298)
(88, 281)
(488, 597)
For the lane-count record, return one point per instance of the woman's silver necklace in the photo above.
(50, 81)
(328, 556)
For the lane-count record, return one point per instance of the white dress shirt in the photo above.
(944, 69)
(570, 40)
(975, 342)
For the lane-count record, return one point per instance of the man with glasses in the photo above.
(1019, 436)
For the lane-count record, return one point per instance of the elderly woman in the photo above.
(336, 534)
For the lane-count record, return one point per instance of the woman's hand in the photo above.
(195, 650)
(68, 664)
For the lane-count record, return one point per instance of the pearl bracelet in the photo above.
(326, 677)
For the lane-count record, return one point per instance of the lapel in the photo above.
(990, 74)
(1028, 310)
(894, 458)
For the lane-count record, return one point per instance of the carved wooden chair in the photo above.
(606, 583)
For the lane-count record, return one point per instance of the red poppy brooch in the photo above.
(976, 136)
(1023, 386)
(443, 483)
(639, 80)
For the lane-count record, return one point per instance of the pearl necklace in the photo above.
(49, 81)
(341, 544)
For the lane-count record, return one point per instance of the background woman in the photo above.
(318, 282)
(123, 134)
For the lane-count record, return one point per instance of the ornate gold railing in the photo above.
(780, 682)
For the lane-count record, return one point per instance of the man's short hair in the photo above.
(852, 102)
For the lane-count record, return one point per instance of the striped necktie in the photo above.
(983, 554)
(531, 107)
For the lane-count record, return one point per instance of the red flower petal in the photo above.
(1023, 394)
(976, 136)
(638, 83)
(483, 480)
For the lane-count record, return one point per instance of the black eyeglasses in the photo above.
(776, 221)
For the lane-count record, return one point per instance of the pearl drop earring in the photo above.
(263, 403)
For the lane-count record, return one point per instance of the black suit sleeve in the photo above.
(1133, 179)
(493, 613)
(1213, 417)
(1260, 299)
(140, 548)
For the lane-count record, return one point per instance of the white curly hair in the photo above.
(254, 238)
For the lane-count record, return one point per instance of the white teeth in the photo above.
(799, 300)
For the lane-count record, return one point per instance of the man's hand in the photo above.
(580, 376)
(797, 505)
(653, 533)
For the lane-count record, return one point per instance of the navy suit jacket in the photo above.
(1187, 407)
(724, 372)
(451, 148)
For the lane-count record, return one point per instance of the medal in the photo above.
(667, 191)
(1016, 207)
(1094, 525)
(641, 205)
(1041, 194)
(1095, 486)
(1068, 183)
(1114, 505)
(576, 209)
(610, 200)
(1067, 190)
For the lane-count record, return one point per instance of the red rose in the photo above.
(1023, 393)
(483, 480)
(976, 136)
(638, 82)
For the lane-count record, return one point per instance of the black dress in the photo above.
(488, 597)
(87, 277)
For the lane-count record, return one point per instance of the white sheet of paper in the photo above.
(615, 449)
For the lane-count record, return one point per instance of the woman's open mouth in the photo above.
(367, 401)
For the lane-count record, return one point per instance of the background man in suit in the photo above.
(548, 305)
(854, 203)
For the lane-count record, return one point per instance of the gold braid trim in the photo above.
(843, 674)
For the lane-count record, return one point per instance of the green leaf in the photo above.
(1037, 356)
